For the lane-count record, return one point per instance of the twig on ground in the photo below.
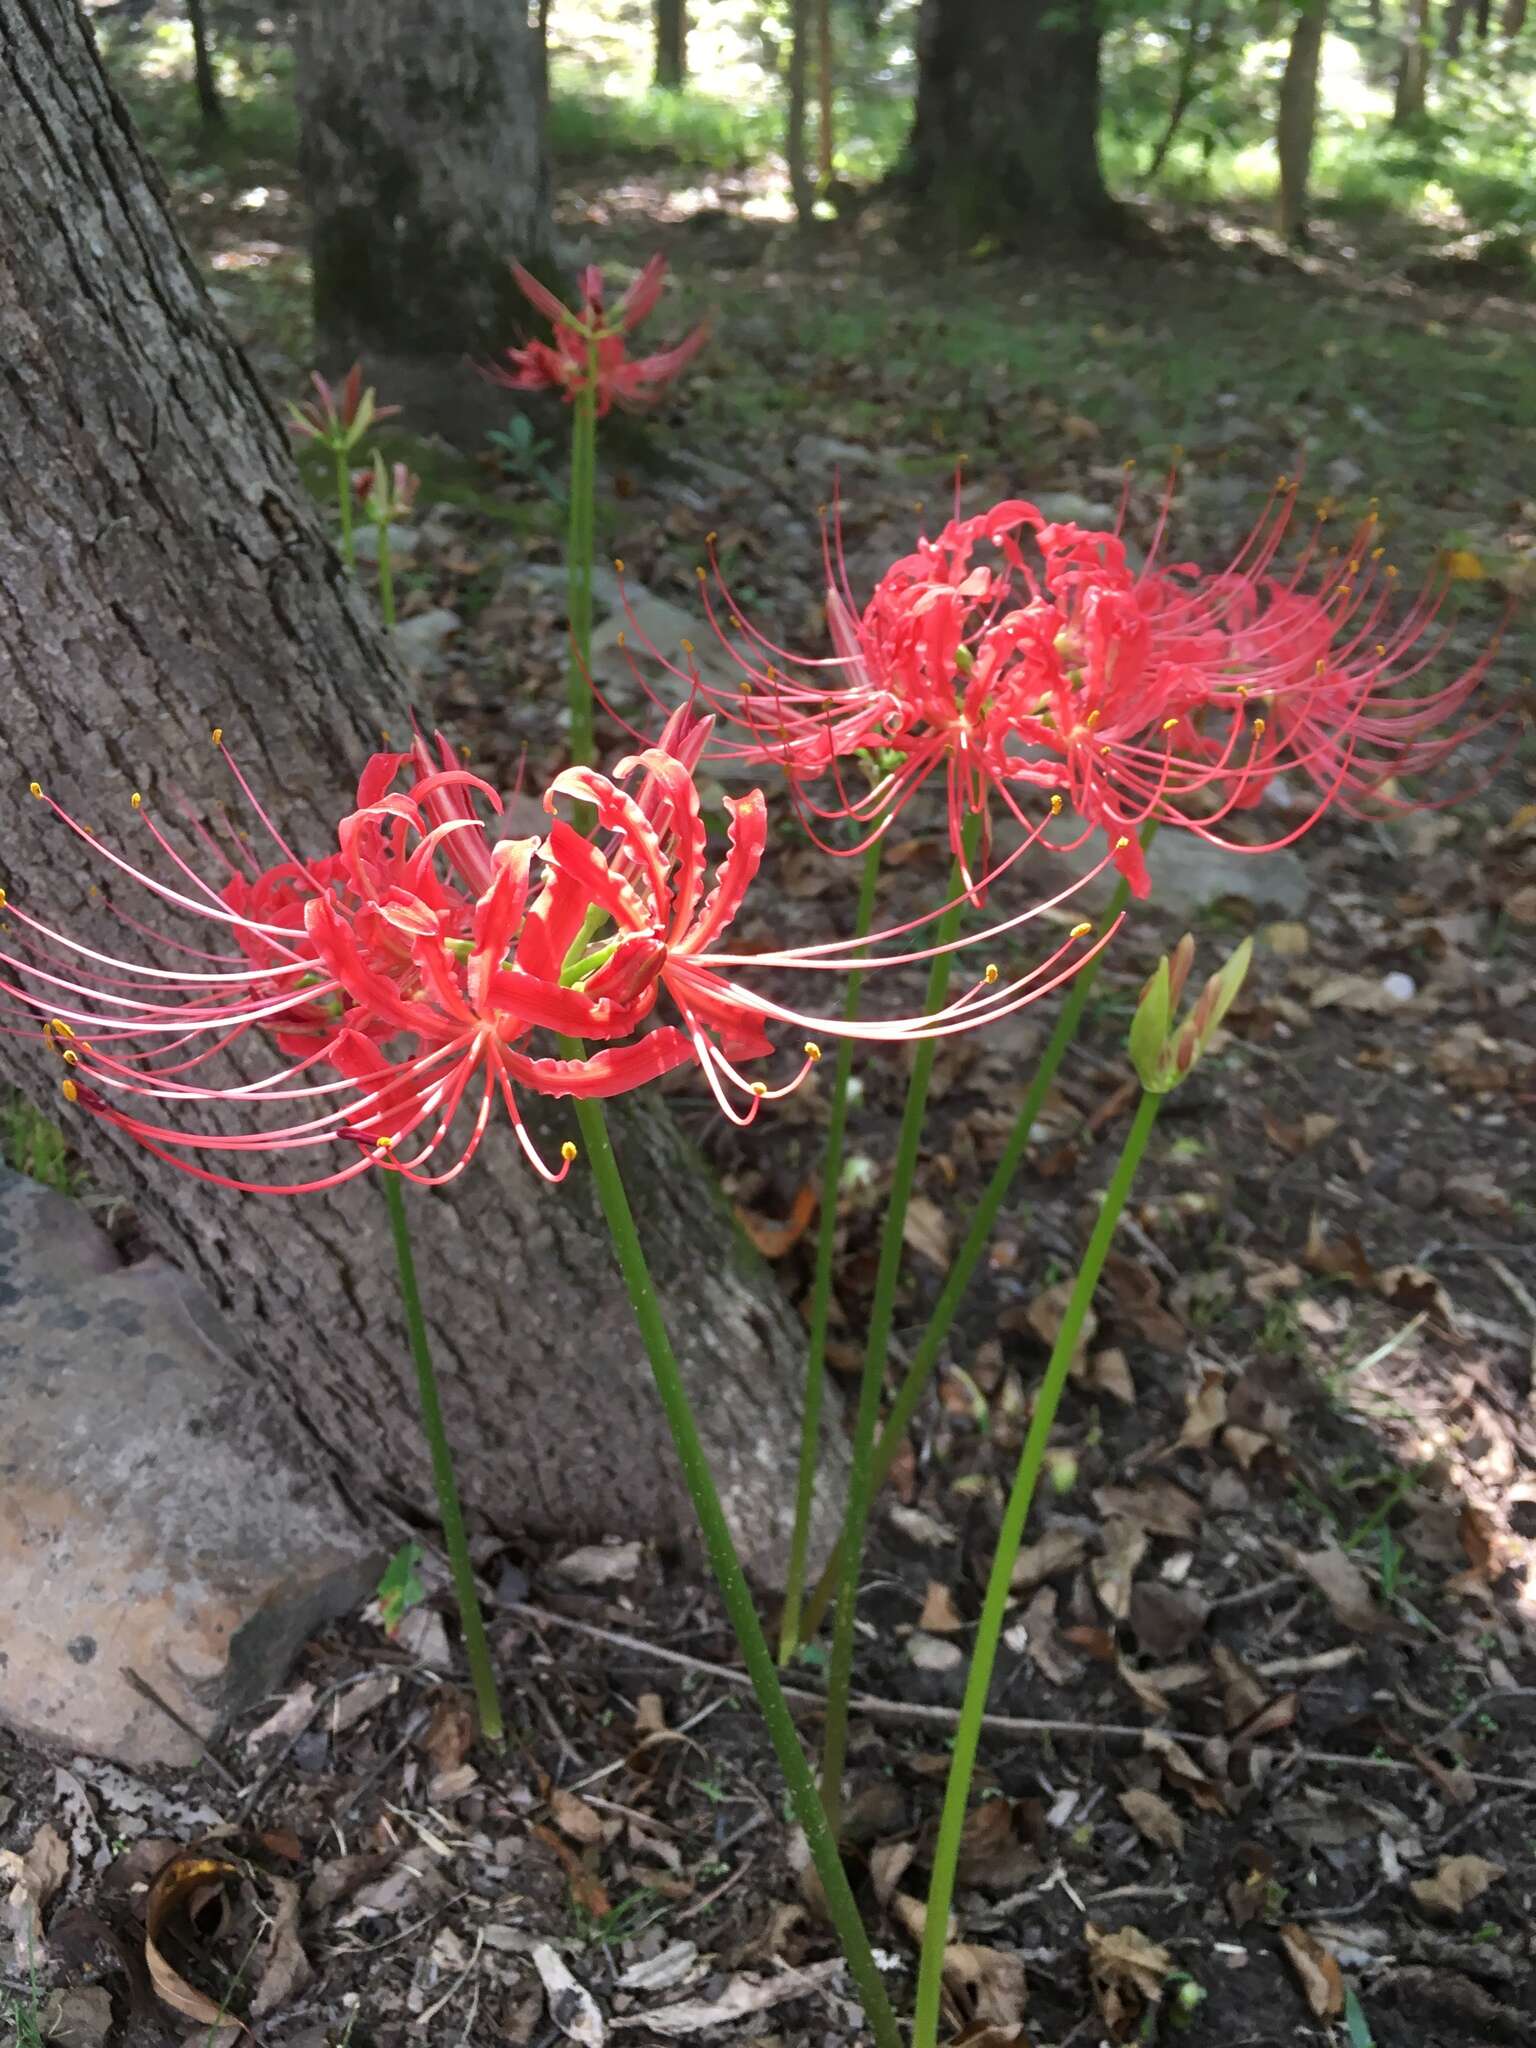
(1255, 1596)
(1527, 1300)
(146, 1691)
(1487, 1699)
(999, 1724)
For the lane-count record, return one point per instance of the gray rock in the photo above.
(1071, 508)
(158, 1514)
(422, 642)
(1187, 874)
(404, 542)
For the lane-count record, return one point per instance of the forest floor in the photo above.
(1280, 1607)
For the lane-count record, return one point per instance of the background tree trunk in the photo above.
(424, 166)
(671, 43)
(1455, 26)
(1513, 19)
(826, 93)
(1005, 133)
(210, 106)
(161, 570)
(801, 188)
(1412, 64)
(1296, 122)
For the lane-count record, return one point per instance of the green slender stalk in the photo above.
(386, 580)
(492, 1727)
(581, 539)
(994, 1608)
(344, 506)
(821, 1289)
(977, 1237)
(728, 1572)
(861, 1475)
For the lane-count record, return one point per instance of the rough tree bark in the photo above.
(671, 43)
(1412, 64)
(826, 93)
(1005, 133)
(801, 186)
(162, 570)
(1296, 121)
(424, 165)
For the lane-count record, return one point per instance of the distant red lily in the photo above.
(589, 345)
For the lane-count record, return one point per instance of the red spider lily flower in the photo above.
(589, 349)
(386, 493)
(1129, 696)
(404, 977)
(338, 420)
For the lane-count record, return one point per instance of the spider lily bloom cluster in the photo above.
(404, 977)
(590, 349)
(1012, 653)
(338, 419)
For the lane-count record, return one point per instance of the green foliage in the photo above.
(152, 68)
(401, 1588)
(32, 1144)
(686, 127)
(520, 449)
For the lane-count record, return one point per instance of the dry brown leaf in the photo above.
(1321, 1979)
(1046, 1313)
(1343, 1585)
(992, 1856)
(1243, 1693)
(1108, 1373)
(1456, 1884)
(1245, 1445)
(1047, 1651)
(650, 1714)
(1138, 1300)
(940, 1615)
(572, 1816)
(1154, 1819)
(989, 1982)
(1304, 1136)
(571, 2005)
(1207, 1413)
(1127, 1973)
(1167, 1619)
(450, 1733)
(1183, 1773)
(925, 1230)
(1058, 1550)
(286, 1970)
(1125, 1545)
(586, 1890)
(888, 1863)
(1157, 1505)
(599, 1564)
(27, 1883)
(182, 1879)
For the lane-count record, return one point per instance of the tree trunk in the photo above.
(1412, 64)
(671, 43)
(209, 104)
(1197, 40)
(1482, 19)
(162, 570)
(1005, 134)
(1513, 18)
(801, 188)
(425, 170)
(1296, 122)
(1455, 26)
(826, 93)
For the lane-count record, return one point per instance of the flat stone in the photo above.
(1189, 873)
(404, 542)
(422, 642)
(158, 1513)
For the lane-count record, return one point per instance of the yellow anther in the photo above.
(759, 1088)
(1354, 569)
(701, 573)
(568, 1151)
(57, 1024)
(3, 899)
(1258, 728)
(1242, 689)
(622, 641)
(1390, 570)
(218, 736)
(463, 750)
(812, 1051)
(618, 566)
(383, 736)
(1377, 553)
(1169, 724)
(1121, 844)
(1055, 806)
(1381, 647)
(136, 801)
(385, 1144)
(687, 646)
(1129, 464)
(1081, 931)
(71, 1059)
(1282, 483)
(68, 1090)
(36, 788)
(1322, 666)
(1092, 719)
(710, 538)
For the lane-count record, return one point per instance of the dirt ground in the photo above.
(1275, 1623)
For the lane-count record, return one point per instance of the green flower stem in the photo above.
(861, 1472)
(821, 1290)
(915, 1382)
(344, 506)
(994, 1608)
(492, 1727)
(579, 548)
(728, 1572)
(386, 580)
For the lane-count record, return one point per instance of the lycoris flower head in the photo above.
(590, 347)
(1029, 658)
(338, 420)
(385, 493)
(406, 978)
